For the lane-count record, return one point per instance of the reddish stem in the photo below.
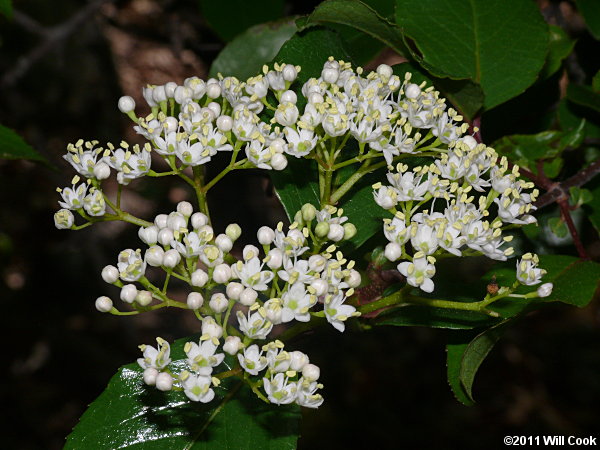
(563, 202)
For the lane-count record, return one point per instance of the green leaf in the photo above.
(6, 8)
(476, 352)
(129, 414)
(590, 10)
(558, 227)
(12, 146)
(310, 48)
(358, 15)
(593, 208)
(230, 18)
(455, 349)
(296, 185)
(570, 115)
(423, 316)
(584, 96)
(499, 44)
(579, 196)
(245, 55)
(560, 45)
(596, 82)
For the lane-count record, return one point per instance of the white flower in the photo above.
(131, 265)
(73, 197)
(252, 360)
(197, 387)
(418, 273)
(296, 303)
(306, 394)
(63, 219)
(156, 358)
(424, 238)
(211, 329)
(279, 390)
(279, 359)
(250, 274)
(202, 357)
(386, 197)
(94, 203)
(299, 143)
(337, 312)
(527, 271)
(255, 325)
(130, 165)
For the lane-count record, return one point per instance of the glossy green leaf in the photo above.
(12, 146)
(230, 18)
(560, 45)
(590, 10)
(297, 185)
(476, 352)
(262, 42)
(423, 316)
(129, 414)
(359, 15)
(558, 227)
(6, 8)
(455, 349)
(499, 44)
(570, 115)
(310, 48)
(584, 96)
(596, 82)
(466, 96)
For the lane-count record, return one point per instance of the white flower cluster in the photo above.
(291, 279)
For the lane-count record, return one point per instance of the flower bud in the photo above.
(104, 304)
(279, 161)
(165, 236)
(248, 297)
(101, 171)
(224, 123)
(249, 252)
(234, 231)
(198, 220)
(311, 372)
(336, 232)
(289, 73)
(185, 209)
(150, 375)
(330, 75)
(215, 108)
(199, 278)
(148, 235)
(222, 273)
(195, 300)
(309, 212)
(265, 235)
(393, 251)
(320, 286)
(159, 94)
(161, 221)
(298, 360)
(412, 91)
(349, 231)
(315, 98)
(353, 279)
(110, 274)
(211, 328)
(213, 90)
(164, 382)
(170, 89)
(182, 93)
(545, 290)
(63, 219)
(234, 290)
(154, 256)
(274, 311)
(218, 303)
(322, 229)
(232, 345)
(143, 298)
(289, 97)
(126, 104)
(385, 71)
(128, 293)
(224, 243)
(176, 222)
(274, 259)
(171, 258)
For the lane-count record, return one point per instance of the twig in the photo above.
(52, 36)
(566, 215)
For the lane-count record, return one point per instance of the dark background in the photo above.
(60, 79)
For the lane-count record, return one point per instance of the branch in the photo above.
(52, 37)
